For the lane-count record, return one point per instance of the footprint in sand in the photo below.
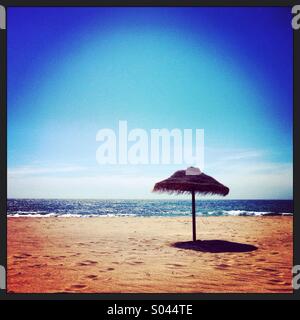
(278, 281)
(135, 262)
(57, 257)
(92, 277)
(87, 263)
(281, 274)
(110, 269)
(222, 266)
(274, 253)
(78, 286)
(268, 269)
(176, 265)
(260, 259)
(38, 265)
(22, 256)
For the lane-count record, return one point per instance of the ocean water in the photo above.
(145, 208)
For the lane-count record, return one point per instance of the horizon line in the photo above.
(266, 199)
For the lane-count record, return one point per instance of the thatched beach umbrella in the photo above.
(191, 181)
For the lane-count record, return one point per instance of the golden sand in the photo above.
(137, 254)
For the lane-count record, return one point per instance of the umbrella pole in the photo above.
(194, 215)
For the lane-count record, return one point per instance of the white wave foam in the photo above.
(245, 213)
(66, 215)
(90, 215)
(33, 215)
(252, 213)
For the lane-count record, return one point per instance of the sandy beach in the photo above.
(137, 254)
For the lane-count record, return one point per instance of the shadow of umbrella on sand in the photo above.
(193, 181)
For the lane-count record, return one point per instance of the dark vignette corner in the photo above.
(296, 153)
(3, 175)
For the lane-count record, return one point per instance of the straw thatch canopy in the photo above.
(193, 181)
(183, 181)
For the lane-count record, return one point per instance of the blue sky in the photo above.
(73, 71)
